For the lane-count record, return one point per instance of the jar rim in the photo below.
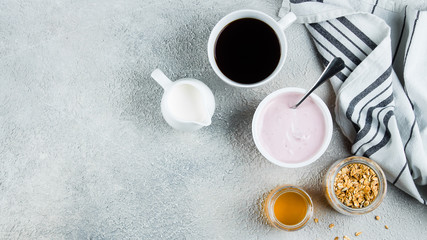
(331, 176)
(271, 200)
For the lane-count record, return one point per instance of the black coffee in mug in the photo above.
(247, 50)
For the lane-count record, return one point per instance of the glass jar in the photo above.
(271, 201)
(330, 191)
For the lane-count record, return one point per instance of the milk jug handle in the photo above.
(161, 78)
(287, 20)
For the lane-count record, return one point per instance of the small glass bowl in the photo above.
(329, 185)
(271, 200)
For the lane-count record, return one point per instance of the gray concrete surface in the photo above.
(85, 153)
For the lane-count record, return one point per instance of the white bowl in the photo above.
(328, 128)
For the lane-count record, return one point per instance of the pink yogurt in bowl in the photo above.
(292, 137)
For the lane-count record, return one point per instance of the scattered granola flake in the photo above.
(377, 218)
(356, 185)
(346, 238)
(357, 234)
(336, 238)
(386, 227)
(316, 220)
(331, 225)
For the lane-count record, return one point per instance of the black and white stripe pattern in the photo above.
(400, 37)
(414, 120)
(370, 99)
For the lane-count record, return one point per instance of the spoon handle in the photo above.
(336, 65)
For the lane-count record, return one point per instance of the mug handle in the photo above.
(287, 20)
(161, 79)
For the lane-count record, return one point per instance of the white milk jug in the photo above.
(187, 104)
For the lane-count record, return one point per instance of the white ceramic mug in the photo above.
(187, 104)
(277, 26)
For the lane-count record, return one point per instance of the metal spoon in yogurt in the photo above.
(336, 65)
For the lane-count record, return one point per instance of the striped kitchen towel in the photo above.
(381, 95)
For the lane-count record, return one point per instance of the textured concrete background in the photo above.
(85, 152)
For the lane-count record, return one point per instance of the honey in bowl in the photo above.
(288, 208)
